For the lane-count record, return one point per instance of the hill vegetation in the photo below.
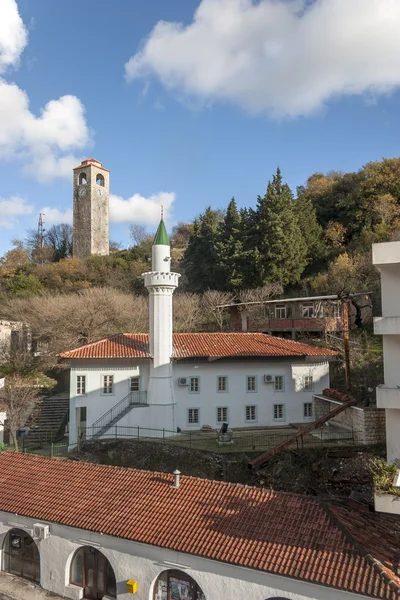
(317, 241)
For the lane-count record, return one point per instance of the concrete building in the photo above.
(92, 531)
(168, 381)
(386, 257)
(91, 187)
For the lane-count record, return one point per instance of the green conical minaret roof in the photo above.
(161, 237)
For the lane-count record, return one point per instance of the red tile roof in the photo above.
(283, 534)
(198, 345)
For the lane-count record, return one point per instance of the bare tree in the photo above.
(138, 234)
(64, 321)
(188, 313)
(17, 399)
(214, 304)
(253, 301)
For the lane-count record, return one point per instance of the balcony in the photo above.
(387, 325)
(387, 397)
(302, 324)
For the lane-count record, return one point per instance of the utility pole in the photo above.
(346, 340)
(40, 239)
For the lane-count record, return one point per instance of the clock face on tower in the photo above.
(82, 192)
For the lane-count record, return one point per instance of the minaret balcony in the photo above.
(157, 278)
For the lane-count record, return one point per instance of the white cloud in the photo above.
(44, 144)
(283, 58)
(13, 35)
(11, 208)
(54, 216)
(142, 210)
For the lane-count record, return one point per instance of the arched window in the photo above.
(100, 179)
(82, 178)
(177, 584)
(91, 571)
(21, 555)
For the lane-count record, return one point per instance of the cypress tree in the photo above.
(280, 249)
(201, 260)
(230, 248)
(310, 228)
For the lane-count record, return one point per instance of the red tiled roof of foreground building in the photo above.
(283, 534)
(198, 345)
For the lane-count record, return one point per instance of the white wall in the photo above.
(144, 563)
(237, 398)
(386, 257)
(2, 419)
(393, 434)
(208, 399)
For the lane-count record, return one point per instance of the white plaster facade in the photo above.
(293, 395)
(144, 563)
(386, 257)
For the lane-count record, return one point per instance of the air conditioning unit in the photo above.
(183, 381)
(41, 531)
(269, 378)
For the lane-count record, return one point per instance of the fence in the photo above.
(256, 440)
(243, 441)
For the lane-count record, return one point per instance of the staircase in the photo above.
(261, 460)
(47, 421)
(115, 414)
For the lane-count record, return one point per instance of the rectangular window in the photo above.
(251, 383)
(307, 410)
(308, 310)
(81, 385)
(193, 416)
(279, 384)
(280, 311)
(194, 387)
(308, 382)
(134, 384)
(222, 384)
(108, 384)
(222, 414)
(337, 311)
(279, 412)
(251, 413)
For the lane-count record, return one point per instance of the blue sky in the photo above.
(191, 114)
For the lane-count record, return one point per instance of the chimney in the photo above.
(176, 474)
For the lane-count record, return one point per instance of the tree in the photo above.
(215, 308)
(201, 256)
(59, 239)
(138, 234)
(188, 312)
(281, 251)
(23, 286)
(229, 247)
(334, 235)
(17, 398)
(181, 233)
(310, 228)
(13, 261)
(64, 321)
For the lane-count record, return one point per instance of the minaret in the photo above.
(161, 284)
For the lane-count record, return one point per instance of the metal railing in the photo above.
(117, 411)
(243, 441)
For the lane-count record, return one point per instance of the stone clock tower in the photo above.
(91, 196)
